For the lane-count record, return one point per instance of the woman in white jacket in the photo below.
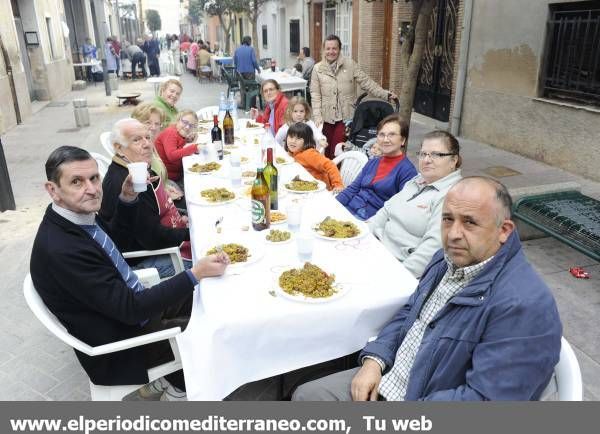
(409, 224)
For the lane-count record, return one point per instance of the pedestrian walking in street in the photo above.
(111, 56)
(245, 62)
(152, 50)
(174, 47)
(117, 47)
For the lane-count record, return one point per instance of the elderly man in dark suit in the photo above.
(84, 280)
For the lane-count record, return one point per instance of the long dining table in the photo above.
(243, 327)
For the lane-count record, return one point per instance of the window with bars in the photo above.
(294, 36)
(343, 26)
(265, 43)
(572, 68)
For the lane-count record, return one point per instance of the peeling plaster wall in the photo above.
(501, 104)
(9, 37)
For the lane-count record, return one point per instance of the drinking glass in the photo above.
(304, 243)
(294, 215)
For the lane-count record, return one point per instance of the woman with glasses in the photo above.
(153, 118)
(276, 105)
(384, 176)
(409, 224)
(176, 142)
(168, 95)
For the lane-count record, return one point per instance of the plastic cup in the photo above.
(139, 174)
(294, 216)
(235, 159)
(304, 244)
(236, 176)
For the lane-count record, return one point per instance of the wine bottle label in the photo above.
(258, 212)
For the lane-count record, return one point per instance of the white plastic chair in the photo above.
(566, 381)
(207, 112)
(105, 141)
(98, 392)
(352, 164)
(102, 161)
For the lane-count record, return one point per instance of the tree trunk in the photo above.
(226, 32)
(255, 37)
(254, 18)
(409, 82)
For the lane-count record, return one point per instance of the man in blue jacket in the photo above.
(245, 62)
(481, 325)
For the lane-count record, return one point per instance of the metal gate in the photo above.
(434, 86)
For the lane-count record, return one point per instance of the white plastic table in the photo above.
(288, 82)
(239, 332)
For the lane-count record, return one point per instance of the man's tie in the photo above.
(110, 248)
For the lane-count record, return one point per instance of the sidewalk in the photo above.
(36, 366)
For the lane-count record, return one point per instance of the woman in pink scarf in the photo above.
(192, 52)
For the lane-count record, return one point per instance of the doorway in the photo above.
(434, 85)
(24, 55)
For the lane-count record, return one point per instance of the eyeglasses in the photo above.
(188, 125)
(434, 155)
(391, 136)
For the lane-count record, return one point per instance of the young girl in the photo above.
(298, 110)
(300, 143)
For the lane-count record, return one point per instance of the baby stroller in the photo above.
(366, 117)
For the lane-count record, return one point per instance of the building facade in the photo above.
(282, 31)
(35, 60)
(531, 72)
(533, 87)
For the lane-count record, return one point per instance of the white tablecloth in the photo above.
(288, 83)
(216, 68)
(239, 333)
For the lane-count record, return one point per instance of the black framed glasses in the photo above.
(434, 155)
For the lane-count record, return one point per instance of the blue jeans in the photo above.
(162, 263)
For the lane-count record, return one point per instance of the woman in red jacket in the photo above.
(174, 143)
(276, 105)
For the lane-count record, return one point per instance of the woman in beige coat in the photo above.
(333, 91)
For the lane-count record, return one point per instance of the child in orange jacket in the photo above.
(300, 143)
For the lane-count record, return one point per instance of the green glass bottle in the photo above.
(271, 175)
(261, 208)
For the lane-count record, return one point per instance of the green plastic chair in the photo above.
(251, 88)
(233, 85)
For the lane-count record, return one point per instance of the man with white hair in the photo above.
(83, 279)
(158, 225)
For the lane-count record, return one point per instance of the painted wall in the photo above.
(278, 30)
(501, 103)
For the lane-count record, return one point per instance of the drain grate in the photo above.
(57, 104)
(569, 217)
